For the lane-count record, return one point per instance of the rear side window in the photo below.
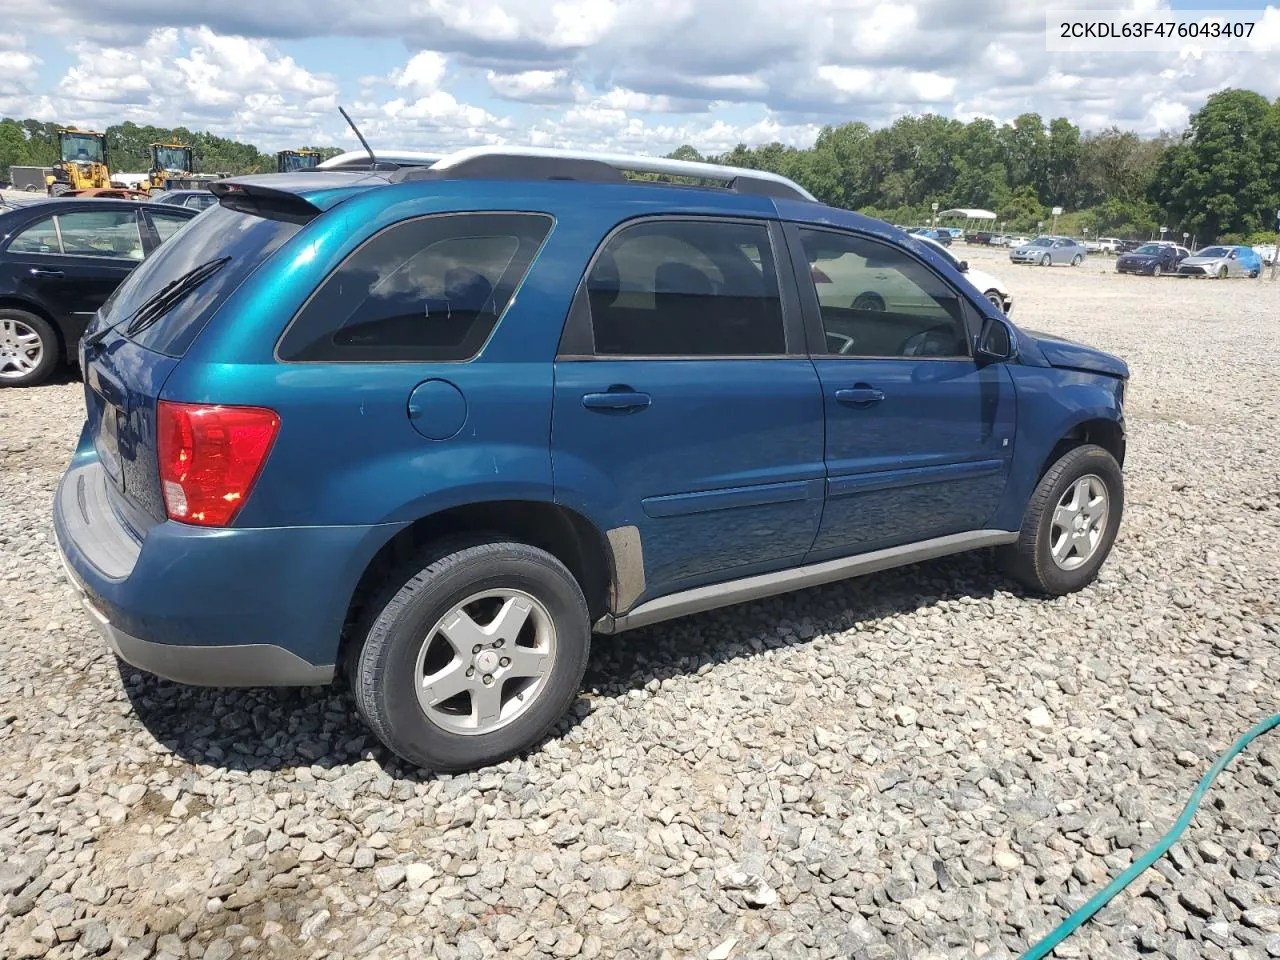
(246, 238)
(686, 288)
(167, 224)
(106, 233)
(426, 289)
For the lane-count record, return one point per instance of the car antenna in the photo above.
(373, 161)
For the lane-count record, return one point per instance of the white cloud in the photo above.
(633, 74)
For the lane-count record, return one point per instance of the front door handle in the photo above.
(45, 272)
(860, 396)
(616, 400)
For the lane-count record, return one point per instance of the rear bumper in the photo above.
(237, 607)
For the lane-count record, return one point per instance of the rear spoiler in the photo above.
(264, 201)
(291, 196)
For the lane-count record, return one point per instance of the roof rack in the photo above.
(528, 163)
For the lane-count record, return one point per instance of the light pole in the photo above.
(1185, 237)
(934, 208)
(1163, 231)
(1057, 212)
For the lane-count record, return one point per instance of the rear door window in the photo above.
(427, 289)
(112, 234)
(167, 224)
(246, 238)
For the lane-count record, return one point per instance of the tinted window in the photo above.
(876, 301)
(686, 288)
(101, 233)
(426, 289)
(39, 237)
(167, 224)
(246, 238)
(199, 201)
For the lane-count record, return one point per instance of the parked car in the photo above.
(941, 236)
(1152, 259)
(325, 437)
(59, 262)
(1266, 251)
(1221, 261)
(980, 237)
(955, 233)
(994, 290)
(1109, 245)
(1048, 251)
(195, 199)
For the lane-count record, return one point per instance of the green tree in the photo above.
(1224, 175)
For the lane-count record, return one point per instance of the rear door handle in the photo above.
(45, 272)
(860, 395)
(616, 400)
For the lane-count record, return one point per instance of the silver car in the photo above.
(1219, 262)
(1048, 251)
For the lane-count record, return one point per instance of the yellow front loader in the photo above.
(169, 162)
(83, 163)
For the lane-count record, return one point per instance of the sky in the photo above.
(641, 76)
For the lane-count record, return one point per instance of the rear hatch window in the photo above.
(244, 238)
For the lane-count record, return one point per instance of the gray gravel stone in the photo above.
(925, 762)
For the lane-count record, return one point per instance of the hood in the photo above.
(1201, 261)
(1070, 355)
(1139, 256)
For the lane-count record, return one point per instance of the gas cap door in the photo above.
(437, 409)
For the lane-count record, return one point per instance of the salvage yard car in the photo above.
(428, 429)
(1221, 262)
(1048, 251)
(59, 261)
(1152, 259)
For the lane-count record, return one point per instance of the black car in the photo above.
(195, 199)
(59, 261)
(1152, 259)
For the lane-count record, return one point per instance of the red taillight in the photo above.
(210, 456)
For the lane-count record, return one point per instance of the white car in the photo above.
(1267, 251)
(993, 289)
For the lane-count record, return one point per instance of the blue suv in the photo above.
(427, 429)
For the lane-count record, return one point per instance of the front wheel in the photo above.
(472, 654)
(1070, 523)
(1046, 261)
(58, 189)
(1156, 271)
(994, 298)
(1222, 273)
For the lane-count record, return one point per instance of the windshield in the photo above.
(1042, 242)
(1214, 252)
(172, 159)
(300, 161)
(218, 232)
(81, 148)
(1149, 248)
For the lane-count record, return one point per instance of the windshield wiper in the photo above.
(162, 301)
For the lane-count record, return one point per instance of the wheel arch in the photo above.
(564, 533)
(1106, 433)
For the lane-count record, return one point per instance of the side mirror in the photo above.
(964, 266)
(995, 342)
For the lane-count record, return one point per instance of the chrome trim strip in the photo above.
(710, 597)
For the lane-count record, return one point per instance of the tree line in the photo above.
(1217, 180)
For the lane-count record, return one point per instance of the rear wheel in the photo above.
(1070, 523)
(472, 654)
(993, 297)
(1077, 260)
(28, 348)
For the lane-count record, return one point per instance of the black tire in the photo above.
(994, 298)
(1156, 270)
(1046, 261)
(1030, 559)
(868, 301)
(58, 189)
(382, 669)
(1222, 273)
(49, 345)
(1077, 260)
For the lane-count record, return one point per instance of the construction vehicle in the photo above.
(170, 162)
(83, 165)
(287, 161)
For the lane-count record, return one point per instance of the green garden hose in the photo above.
(1104, 896)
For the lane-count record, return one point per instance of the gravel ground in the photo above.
(923, 763)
